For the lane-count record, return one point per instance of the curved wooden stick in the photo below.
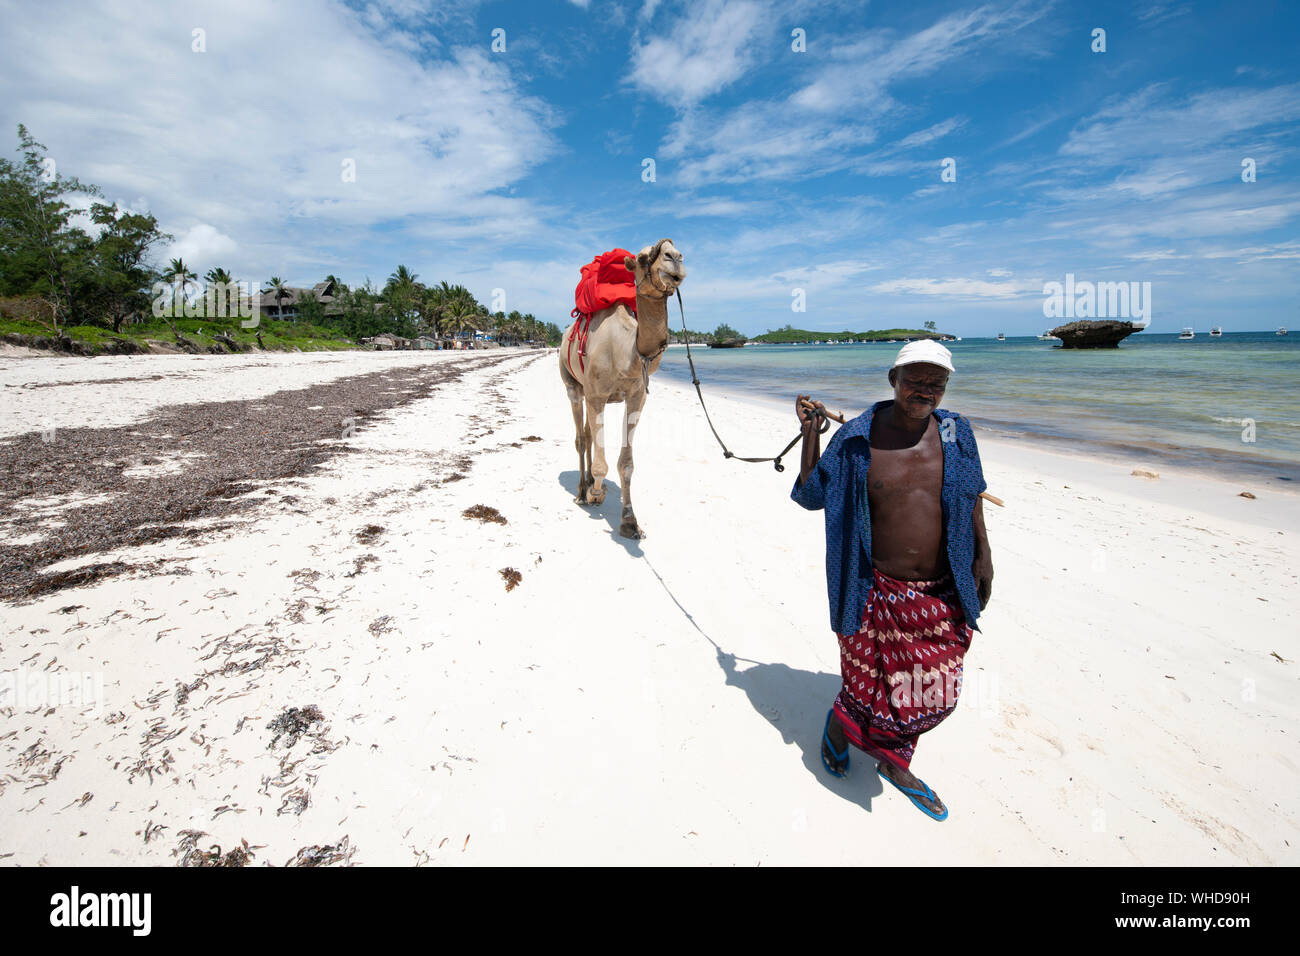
(838, 417)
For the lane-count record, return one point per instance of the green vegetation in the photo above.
(100, 288)
(790, 335)
(200, 332)
(724, 332)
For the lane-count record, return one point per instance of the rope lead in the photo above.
(695, 380)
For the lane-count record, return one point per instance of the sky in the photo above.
(821, 164)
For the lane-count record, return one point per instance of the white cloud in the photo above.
(930, 134)
(822, 126)
(1150, 123)
(249, 138)
(978, 288)
(705, 50)
(205, 244)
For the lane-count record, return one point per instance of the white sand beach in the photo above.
(1130, 699)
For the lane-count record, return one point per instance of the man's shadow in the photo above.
(795, 703)
(611, 509)
(792, 701)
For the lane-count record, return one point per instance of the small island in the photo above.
(789, 335)
(725, 337)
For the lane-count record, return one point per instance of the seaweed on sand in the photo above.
(370, 533)
(340, 852)
(293, 723)
(484, 513)
(230, 449)
(192, 856)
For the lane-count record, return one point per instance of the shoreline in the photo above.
(1253, 476)
(348, 674)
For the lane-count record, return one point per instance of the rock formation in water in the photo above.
(1094, 334)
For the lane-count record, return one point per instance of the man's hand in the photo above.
(982, 568)
(812, 420)
(809, 417)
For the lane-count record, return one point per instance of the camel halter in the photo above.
(647, 359)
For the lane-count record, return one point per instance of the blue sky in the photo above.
(775, 170)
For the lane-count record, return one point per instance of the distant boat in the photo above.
(1002, 337)
(1282, 331)
(1216, 331)
(1048, 337)
(1186, 334)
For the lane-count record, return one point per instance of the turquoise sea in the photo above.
(1155, 399)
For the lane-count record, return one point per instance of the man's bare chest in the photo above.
(906, 471)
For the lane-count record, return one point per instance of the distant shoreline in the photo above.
(1190, 461)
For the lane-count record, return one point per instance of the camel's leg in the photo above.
(596, 429)
(581, 442)
(587, 441)
(582, 434)
(629, 528)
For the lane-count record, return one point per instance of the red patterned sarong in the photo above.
(902, 671)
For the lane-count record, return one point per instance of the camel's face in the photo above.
(662, 264)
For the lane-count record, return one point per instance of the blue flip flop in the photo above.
(840, 757)
(914, 794)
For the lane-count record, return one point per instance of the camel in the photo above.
(623, 351)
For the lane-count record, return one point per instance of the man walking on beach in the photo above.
(907, 570)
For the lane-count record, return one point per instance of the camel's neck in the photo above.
(651, 324)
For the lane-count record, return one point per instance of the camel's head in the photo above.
(660, 266)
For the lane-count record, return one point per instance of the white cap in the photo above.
(926, 350)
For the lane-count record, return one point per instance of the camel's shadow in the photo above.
(795, 703)
(611, 510)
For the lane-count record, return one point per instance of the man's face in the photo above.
(918, 388)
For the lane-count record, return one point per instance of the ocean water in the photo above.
(1155, 398)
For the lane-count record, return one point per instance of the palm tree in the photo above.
(220, 277)
(403, 277)
(182, 277)
(464, 319)
(280, 292)
(428, 307)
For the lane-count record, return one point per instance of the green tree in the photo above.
(359, 312)
(39, 246)
(310, 309)
(115, 278)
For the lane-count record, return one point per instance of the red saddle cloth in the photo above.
(606, 281)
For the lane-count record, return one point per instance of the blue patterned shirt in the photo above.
(838, 484)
